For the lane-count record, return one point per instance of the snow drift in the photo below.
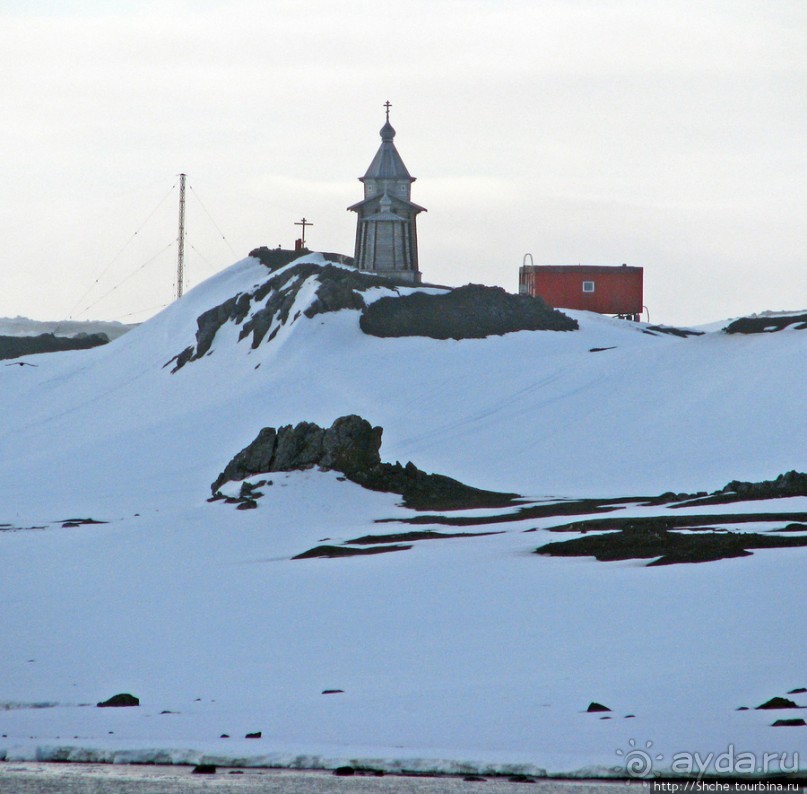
(465, 652)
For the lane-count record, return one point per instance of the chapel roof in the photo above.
(387, 163)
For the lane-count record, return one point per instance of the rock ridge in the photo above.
(470, 312)
(350, 446)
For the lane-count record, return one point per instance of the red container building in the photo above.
(606, 289)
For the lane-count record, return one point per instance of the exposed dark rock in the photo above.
(792, 483)
(253, 459)
(406, 537)
(119, 701)
(642, 541)
(339, 289)
(765, 325)
(793, 723)
(333, 691)
(256, 735)
(262, 311)
(77, 522)
(673, 331)
(351, 446)
(16, 346)
(470, 312)
(204, 769)
(208, 323)
(422, 491)
(778, 703)
(346, 551)
(594, 707)
(344, 771)
(798, 691)
(274, 258)
(671, 521)
(298, 447)
(526, 513)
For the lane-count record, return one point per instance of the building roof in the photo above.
(581, 269)
(387, 163)
(393, 199)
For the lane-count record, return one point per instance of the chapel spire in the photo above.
(386, 237)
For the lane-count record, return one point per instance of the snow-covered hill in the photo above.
(453, 654)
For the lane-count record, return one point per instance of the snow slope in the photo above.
(468, 653)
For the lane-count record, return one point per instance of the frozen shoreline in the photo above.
(45, 778)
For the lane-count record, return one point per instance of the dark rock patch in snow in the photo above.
(799, 691)
(77, 522)
(778, 703)
(692, 523)
(792, 483)
(255, 735)
(795, 527)
(124, 699)
(642, 540)
(351, 446)
(470, 312)
(347, 551)
(204, 769)
(16, 346)
(409, 537)
(766, 324)
(798, 722)
(262, 311)
(275, 258)
(672, 331)
(576, 507)
(595, 707)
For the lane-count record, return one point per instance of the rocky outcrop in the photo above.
(473, 311)
(792, 483)
(122, 700)
(16, 346)
(778, 703)
(470, 312)
(665, 547)
(767, 324)
(351, 446)
(274, 258)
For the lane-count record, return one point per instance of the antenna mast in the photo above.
(181, 238)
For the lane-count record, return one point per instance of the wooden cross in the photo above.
(303, 223)
(387, 106)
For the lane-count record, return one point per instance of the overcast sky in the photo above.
(670, 135)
